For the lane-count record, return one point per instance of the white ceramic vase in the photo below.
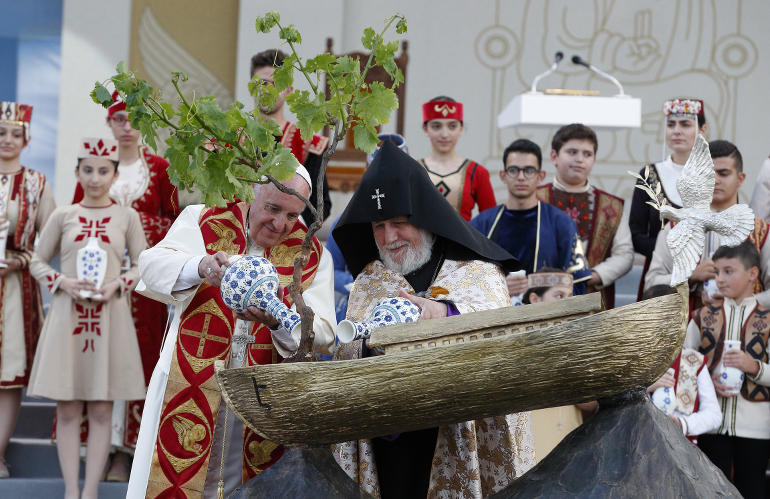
(664, 399)
(253, 281)
(710, 287)
(732, 377)
(388, 311)
(91, 265)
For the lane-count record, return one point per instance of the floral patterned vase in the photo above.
(91, 265)
(664, 399)
(253, 280)
(732, 377)
(388, 311)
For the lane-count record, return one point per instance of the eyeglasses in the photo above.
(118, 120)
(529, 171)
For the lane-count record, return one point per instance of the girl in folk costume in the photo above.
(685, 119)
(463, 182)
(143, 185)
(88, 353)
(26, 202)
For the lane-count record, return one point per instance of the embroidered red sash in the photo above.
(191, 402)
(754, 337)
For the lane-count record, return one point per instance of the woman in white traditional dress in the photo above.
(26, 202)
(88, 353)
(685, 119)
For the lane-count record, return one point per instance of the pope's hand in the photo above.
(429, 309)
(212, 267)
(253, 314)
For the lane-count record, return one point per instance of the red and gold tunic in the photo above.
(192, 397)
(465, 188)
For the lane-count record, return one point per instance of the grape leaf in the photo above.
(283, 77)
(365, 138)
(290, 34)
(377, 104)
(321, 62)
(209, 112)
(122, 67)
(369, 38)
(281, 164)
(101, 95)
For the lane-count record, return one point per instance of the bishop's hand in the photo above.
(212, 267)
(429, 309)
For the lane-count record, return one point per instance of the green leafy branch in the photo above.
(225, 152)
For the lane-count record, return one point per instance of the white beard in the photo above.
(414, 258)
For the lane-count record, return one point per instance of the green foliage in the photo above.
(223, 152)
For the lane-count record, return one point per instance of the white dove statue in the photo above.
(687, 239)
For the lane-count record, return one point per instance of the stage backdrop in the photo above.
(482, 53)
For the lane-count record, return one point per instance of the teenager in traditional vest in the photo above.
(696, 410)
(728, 167)
(598, 214)
(742, 440)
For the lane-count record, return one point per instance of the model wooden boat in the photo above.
(524, 358)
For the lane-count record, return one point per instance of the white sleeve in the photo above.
(621, 257)
(693, 339)
(709, 415)
(662, 265)
(760, 200)
(189, 276)
(161, 266)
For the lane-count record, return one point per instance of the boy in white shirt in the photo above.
(742, 441)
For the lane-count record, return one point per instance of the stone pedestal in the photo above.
(628, 449)
(302, 473)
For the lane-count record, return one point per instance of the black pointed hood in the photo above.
(395, 185)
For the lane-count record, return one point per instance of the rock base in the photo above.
(628, 449)
(302, 473)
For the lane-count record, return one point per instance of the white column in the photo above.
(94, 39)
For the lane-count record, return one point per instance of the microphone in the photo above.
(557, 59)
(576, 59)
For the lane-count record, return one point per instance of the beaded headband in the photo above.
(683, 107)
(549, 279)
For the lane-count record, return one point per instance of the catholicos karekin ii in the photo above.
(178, 453)
(399, 235)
